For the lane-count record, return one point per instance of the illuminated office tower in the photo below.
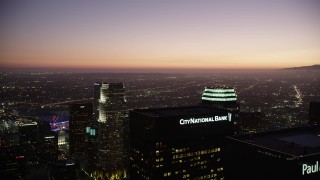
(178, 143)
(80, 118)
(221, 97)
(111, 128)
(96, 97)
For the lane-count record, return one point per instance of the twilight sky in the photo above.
(164, 34)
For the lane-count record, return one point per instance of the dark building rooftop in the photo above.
(301, 141)
(178, 111)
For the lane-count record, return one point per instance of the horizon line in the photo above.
(136, 69)
(131, 70)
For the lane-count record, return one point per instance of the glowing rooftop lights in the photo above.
(219, 94)
(219, 99)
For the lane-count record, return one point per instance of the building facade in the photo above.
(178, 143)
(111, 128)
(314, 113)
(80, 118)
(28, 142)
(96, 97)
(284, 154)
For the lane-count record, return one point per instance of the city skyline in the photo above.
(159, 35)
(45, 122)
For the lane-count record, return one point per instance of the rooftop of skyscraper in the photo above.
(300, 141)
(178, 111)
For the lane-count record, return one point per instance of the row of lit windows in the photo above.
(167, 174)
(180, 150)
(159, 165)
(177, 172)
(137, 152)
(220, 169)
(160, 159)
(209, 176)
(186, 176)
(160, 145)
(199, 163)
(270, 154)
(190, 153)
(198, 153)
(206, 151)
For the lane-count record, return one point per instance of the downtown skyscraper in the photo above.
(184, 142)
(220, 97)
(112, 131)
(96, 97)
(80, 118)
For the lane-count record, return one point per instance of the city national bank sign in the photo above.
(205, 119)
(310, 168)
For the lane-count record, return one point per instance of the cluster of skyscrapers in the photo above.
(99, 132)
(204, 141)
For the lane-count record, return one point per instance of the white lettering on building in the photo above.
(308, 168)
(205, 120)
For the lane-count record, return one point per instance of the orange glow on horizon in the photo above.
(190, 35)
(91, 66)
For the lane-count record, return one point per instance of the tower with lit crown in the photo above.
(221, 97)
(111, 123)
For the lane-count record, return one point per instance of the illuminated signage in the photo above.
(309, 169)
(205, 120)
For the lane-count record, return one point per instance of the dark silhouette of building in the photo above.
(284, 154)
(48, 149)
(64, 169)
(112, 128)
(80, 118)
(178, 143)
(91, 142)
(48, 144)
(314, 113)
(28, 142)
(249, 122)
(12, 163)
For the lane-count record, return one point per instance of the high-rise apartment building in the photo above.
(111, 128)
(80, 118)
(178, 143)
